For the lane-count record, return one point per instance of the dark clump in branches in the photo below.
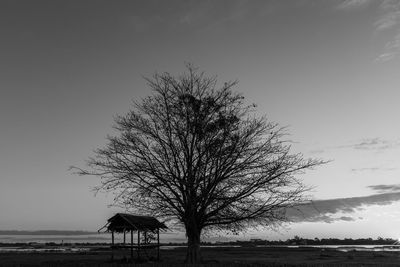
(197, 154)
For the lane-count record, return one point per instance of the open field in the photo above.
(223, 257)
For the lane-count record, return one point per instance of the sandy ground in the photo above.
(212, 257)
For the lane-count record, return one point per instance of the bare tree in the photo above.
(198, 154)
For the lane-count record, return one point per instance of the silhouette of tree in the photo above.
(197, 154)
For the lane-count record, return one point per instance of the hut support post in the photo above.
(124, 236)
(138, 244)
(158, 244)
(131, 245)
(112, 245)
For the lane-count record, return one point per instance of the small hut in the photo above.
(125, 223)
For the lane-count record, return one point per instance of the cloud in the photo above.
(365, 144)
(332, 210)
(387, 19)
(372, 169)
(392, 49)
(386, 57)
(351, 4)
(365, 169)
(384, 188)
(372, 144)
(347, 218)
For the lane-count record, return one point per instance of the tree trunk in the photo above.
(193, 254)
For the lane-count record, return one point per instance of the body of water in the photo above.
(59, 239)
(347, 248)
(105, 238)
(91, 238)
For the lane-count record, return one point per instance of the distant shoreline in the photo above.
(46, 232)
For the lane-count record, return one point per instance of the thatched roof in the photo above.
(126, 222)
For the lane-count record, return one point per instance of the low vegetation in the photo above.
(214, 257)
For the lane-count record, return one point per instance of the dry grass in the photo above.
(214, 257)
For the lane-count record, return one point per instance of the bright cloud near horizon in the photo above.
(329, 70)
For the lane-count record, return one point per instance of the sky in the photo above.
(328, 70)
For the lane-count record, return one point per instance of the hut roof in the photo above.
(125, 222)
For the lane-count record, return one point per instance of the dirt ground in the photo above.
(224, 257)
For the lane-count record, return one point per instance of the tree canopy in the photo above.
(194, 152)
